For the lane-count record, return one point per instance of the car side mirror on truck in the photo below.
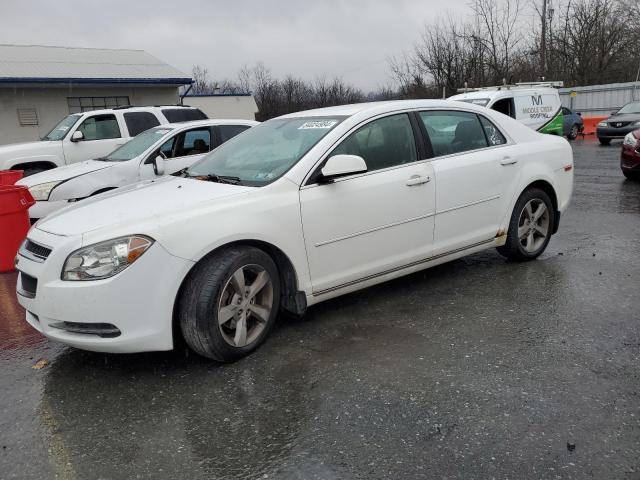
(77, 136)
(341, 166)
(158, 165)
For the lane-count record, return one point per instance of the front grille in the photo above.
(28, 285)
(619, 124)
(39, 251)
(103, 330)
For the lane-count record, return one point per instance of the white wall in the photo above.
(51, 104)
(225, 106)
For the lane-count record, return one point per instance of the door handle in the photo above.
(508, 161)
(418, 180)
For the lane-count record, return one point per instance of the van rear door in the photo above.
(540, 110)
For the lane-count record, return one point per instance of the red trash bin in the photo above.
(10, 177)
(15, 201)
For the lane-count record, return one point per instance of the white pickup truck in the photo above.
(88, 135)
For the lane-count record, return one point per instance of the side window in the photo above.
(138, 122)
(383, 143)
(453, 132)
(174, 115)
(505, 106)
(194, 142)
(167, 148)
(494, 136)
(227, 132)
(100, 127)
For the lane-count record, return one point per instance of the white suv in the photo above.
(87, 135)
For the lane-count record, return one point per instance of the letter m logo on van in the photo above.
(536, 100)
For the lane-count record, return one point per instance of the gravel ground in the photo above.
(474, 369)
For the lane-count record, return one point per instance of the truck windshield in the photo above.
(137, 145)
(264, 153)
(61, 129)
(476, 101)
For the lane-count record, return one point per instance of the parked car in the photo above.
(535, 104)
(93, 134)
(179, 145)
(619, 124)
(630, 155)
(572, 123)
(294, 211)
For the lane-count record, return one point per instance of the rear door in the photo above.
(474, 167)
(368, 224)
(102, 134)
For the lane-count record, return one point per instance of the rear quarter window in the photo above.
(174, 115)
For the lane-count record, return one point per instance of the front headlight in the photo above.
(630, 140)
(41, 192)
(603, 124)
(105, 259)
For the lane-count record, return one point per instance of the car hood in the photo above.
(28, 150)
(65, 173)
(624, 117)
(137, 203)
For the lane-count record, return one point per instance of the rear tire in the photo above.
(229, 303)
(573, 132)
(530, 226)
(604, 141)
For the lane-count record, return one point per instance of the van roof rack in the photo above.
(554, 84)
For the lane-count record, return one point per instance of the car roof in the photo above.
(125, 109)
(375, 107)
(209, 122)
(494, 91)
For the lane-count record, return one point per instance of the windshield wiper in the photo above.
(212, 177)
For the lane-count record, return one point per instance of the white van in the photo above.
(535, 104)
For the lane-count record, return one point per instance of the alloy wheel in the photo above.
(245, 305)
(533, 225)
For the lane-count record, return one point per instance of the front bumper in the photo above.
(138, 301)
(613, 133)
(630, 159)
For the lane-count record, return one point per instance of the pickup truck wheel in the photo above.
(229, 303)
(530, 226)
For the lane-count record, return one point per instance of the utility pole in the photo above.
(543, 40)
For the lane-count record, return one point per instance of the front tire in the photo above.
(573, 132)
(604, 141)
(530, 226)
(631, 175)
(229, 303)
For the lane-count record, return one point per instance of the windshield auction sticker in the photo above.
(324, 124)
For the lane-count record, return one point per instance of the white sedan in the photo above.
(297, 210)
(179, 145)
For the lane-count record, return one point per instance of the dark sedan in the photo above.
(624, 121)
(630, 155)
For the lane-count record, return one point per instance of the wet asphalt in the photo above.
(475, 369)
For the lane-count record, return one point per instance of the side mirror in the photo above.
(579, 114)
(341, 166)
(158, 165)
(77, 136)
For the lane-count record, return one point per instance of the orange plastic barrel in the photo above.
(10, 177)
(15, 201)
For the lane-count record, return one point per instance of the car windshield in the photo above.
(137, 145)
(476, 101)
(61, 129)
(633, 107)
(265, 152)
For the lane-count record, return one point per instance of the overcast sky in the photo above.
(347, 38)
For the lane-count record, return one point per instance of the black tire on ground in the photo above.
(604, 141)
(203, 293)
(573, 132)
(631, 175)
(513, 248)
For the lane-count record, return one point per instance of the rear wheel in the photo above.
(530, 226)
(604, 141)
(573, 133)
(631, 175)
(229, 303)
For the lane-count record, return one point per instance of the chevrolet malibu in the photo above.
(297, 210)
